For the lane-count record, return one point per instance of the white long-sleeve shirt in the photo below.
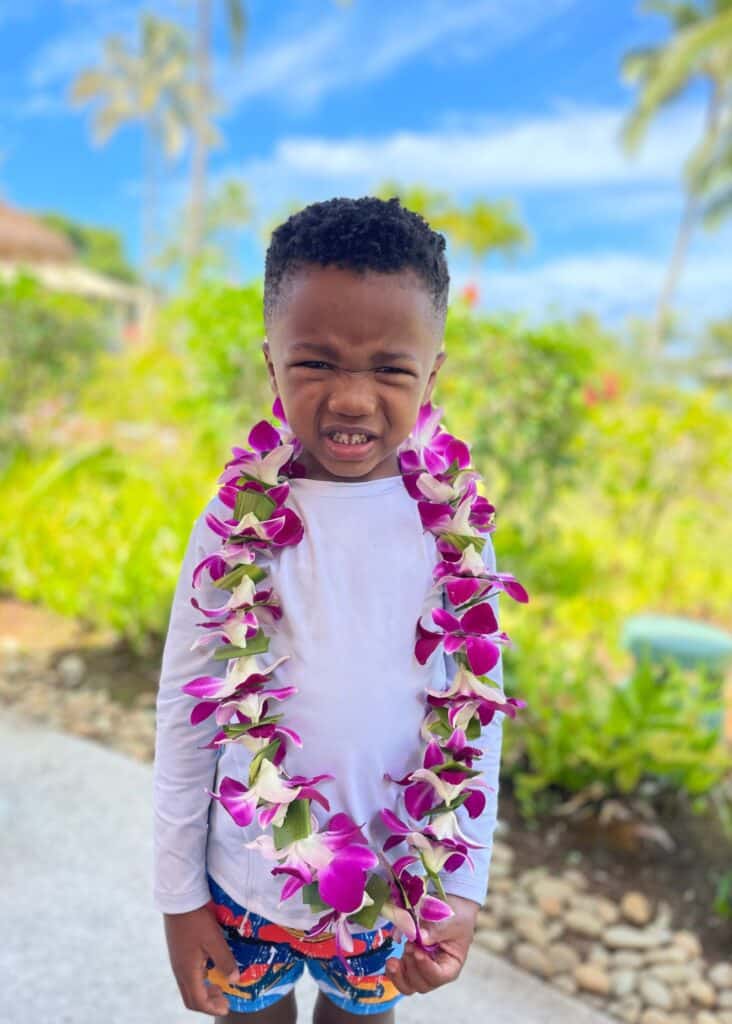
(351, 593)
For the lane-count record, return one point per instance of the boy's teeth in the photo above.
(349, 438)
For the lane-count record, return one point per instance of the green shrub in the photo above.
(660, 723)
(47, 344)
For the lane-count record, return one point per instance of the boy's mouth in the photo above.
(349, 444)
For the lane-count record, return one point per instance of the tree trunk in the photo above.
(685, 229)
(199, 154)
(673, 274)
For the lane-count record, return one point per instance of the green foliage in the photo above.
(517, 393)
(218, 330)
(47, 343)
(100, 249)
(723, 895)
(98, 533)
(661, 723)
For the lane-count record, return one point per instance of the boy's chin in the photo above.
(331, 463)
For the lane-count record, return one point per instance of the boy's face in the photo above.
(382, 328)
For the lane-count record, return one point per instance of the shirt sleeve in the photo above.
(182, 771)
(465, 882)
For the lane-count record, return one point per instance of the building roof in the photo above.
(24, 237)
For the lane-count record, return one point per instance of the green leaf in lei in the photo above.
(241, 728)
(311, 896)
(256, 763)
(233, 578)
(462, 541)
(295, 826)
(256, 502)
(378, 890)
(257, 645)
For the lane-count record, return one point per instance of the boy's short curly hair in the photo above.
(366, 234)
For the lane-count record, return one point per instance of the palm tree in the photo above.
(700, 48)
(151, 84)
(204, 136)
(481, 228)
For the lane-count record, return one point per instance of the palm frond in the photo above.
(236, 19)
(680, 13)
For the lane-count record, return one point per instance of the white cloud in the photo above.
(611, 284)
(352, 47)
(569, 148)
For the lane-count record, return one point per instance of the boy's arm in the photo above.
(182, 771)
(464, 882)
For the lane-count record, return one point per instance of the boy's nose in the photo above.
(352, 394)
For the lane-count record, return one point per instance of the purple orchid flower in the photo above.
(463, 587)
(338, 858)
(436, 854)
(476, 631)
(271, 788)
(282, 529)
(472, 513)
(410, 903)
(337, 922)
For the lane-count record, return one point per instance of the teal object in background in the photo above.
(666, 637)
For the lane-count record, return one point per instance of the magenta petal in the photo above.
(314, 794)
(426, 643)
(289, 529)
(392, 841)
(475, 802)
(263, 437)
(266, 814)
(482, 654)
(460, 591)
(236, 799)
(203, 711)
(453, 643)
(206, 686)
(418, 799)
(432, 909)
(399, 865)
(456, 450)
(514, 589)
(479, 619)
(433, 755)
(342, 882)
(393, 822)
(216, 566)
(449, 622)
(433, 513)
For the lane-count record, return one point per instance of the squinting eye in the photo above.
(391, 369)
(312, 364)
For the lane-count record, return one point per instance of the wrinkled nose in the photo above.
(351, 394)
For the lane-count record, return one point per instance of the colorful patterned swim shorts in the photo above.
(271, 958)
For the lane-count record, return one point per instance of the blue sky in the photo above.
(482, 98)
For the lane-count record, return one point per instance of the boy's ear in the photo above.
(270, 366)
(439, 360)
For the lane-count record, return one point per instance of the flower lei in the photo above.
(332, 867)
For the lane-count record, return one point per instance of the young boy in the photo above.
(355, 301)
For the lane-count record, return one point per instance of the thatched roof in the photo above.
(23, 237)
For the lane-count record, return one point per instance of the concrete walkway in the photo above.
(81, 941)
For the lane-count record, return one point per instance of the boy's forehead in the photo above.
(355, 308)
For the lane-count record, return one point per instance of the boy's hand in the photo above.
(416, 971)
(193, 938)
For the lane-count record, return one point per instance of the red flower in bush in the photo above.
(470, 293)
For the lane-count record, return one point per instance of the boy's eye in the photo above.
(317, 364)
